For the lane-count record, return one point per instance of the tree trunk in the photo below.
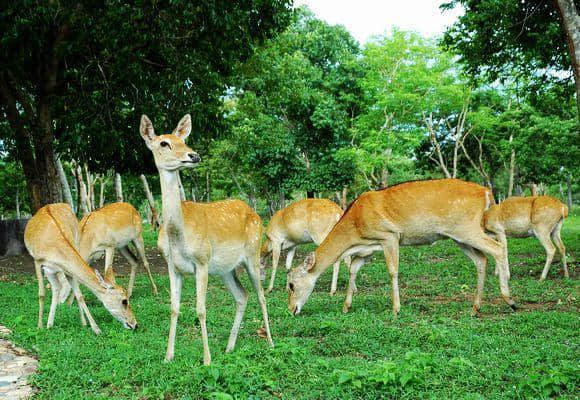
(207, 187)
(102, 194)
(118, 188)
(512, 168)
(569, 184)
(534, 189)
(17, 203)
(65, 186)
(343, 201)
(84, 201)
(384, 178)
(90, 188)
(154, 216)
(571, 23)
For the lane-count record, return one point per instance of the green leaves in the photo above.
(412, 369)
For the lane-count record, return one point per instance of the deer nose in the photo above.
(194, 157)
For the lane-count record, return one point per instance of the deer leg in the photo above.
(140, 246)
(558, 240)
(84, 309)
(133, 262)
(65, 289)
(502, 239)
(333, 283)
(356, 264)
(201, 277)
(253, 270)
(544, 238)
(487, 245)
(41, 291)
(109, 273)
(348, 262)
(241, 297)
(289, 259)
(480, 261)
(391, 250)
(175, 284)
(55, 285)
(276, 249)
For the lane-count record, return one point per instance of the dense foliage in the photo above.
(309, 111)
(76, 75)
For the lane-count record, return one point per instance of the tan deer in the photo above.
(112, 227)
(304, 221)
(540, 216)
(203, 238)
(408, 214)
(52, 237)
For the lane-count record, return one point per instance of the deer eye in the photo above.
(165, 144)
(124, 302)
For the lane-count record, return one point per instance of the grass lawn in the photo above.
(435, 349)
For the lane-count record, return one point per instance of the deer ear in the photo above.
(102, 280)
(309, 261)
(146, 130)
(183, 128)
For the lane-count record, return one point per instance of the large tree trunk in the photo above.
(571, 23)
(65, 186)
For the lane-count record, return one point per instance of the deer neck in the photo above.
(171, 204)
(338, 241)
(86, 275)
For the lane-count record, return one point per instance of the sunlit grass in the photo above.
(435, 349)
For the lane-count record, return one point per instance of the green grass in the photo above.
(435, 349)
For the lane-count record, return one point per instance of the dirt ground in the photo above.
(24, 264)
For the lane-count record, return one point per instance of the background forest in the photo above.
(289, 107)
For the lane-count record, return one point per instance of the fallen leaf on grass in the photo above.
(262, 333)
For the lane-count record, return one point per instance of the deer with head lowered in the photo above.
(203, 238)
(304, 221)
(112, 227)
(52, 237)
(411, 213)
(540, 216)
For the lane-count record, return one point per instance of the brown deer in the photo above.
(112, 227)
(520, 217)
(304, 221)
(203, 238)
(408, 214)
(52, 237)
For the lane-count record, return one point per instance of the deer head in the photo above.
(114, 298)
(170, 151)
(301, 284)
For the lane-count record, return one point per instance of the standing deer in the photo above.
(304, 221)
(203, 238)
(114, 227)
(51, 237)
(408, 214)
(540, 216)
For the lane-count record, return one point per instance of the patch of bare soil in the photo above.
(24, 264)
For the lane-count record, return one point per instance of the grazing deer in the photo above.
(408, 214)
(304, 221)
(112, 227)
(540, 216)
(51, 237)
(203, 238)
